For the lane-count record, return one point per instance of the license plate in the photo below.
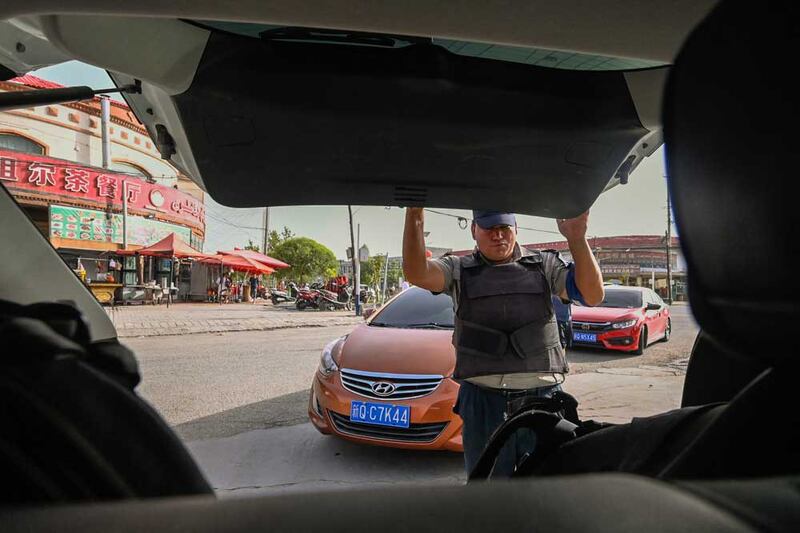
(584, 337)
(380, 414)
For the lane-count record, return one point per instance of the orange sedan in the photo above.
(388, 382)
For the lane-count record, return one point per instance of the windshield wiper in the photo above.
(431, 325)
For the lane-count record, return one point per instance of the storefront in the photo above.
(83, 213)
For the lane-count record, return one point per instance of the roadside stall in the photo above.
(235, 263)
(169, 249)
(101, 276)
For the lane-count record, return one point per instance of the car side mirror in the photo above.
(368, 313)
(653, 307)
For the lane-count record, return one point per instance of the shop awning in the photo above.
(168, 247)
(257, 256)
(237, 263)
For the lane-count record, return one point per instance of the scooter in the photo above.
(280, 296)
(330, 301)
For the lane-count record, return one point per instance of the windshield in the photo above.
(622, 299)
(416, 307)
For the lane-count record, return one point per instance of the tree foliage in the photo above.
(309, 259)
(275, 239)
(252, 246)
(372, 271)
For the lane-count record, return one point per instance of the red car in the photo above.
(628, 319)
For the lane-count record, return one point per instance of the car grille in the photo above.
(590, 326)
(406, 386)
(413, 433)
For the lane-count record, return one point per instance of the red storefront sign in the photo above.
(62, 178)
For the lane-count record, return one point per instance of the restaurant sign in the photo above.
(33, 173)
(92, 225)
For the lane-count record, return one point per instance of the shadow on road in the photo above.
(299, 458)
(286, 410)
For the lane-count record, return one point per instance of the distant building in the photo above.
(630, 260)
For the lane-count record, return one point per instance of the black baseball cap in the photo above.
(490, 219)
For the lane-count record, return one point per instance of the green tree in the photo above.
(372, 270)
(252, 246)
(309, 259)
(275, 239)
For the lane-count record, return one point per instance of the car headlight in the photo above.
(327, 365)
(625, 324)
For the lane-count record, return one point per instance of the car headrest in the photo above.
(729, 115)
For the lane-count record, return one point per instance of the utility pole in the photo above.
(266, 230)
(105, 119)
(124, 214)
(357, 253)
(669, 251)
(385, 278)
(353, 257)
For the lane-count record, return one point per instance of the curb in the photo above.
(129, 333)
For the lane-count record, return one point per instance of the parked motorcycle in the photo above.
(307, 298)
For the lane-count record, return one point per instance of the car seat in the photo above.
(728, 122)
(73, 427)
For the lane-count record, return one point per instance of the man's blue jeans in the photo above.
(482, 411)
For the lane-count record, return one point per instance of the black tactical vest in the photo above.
(505, 322)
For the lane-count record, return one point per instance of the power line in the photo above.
(518, 227)
(222, 220)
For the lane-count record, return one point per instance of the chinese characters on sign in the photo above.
(41, 174)
(47, 175)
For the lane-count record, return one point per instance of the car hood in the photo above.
(602, 314)
(400, 351)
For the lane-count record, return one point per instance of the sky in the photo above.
(636, 208)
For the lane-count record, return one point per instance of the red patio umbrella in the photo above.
(257, 256)
(239, 264)
(169, 247)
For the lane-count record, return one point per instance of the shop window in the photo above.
(130, 168)
(18, 143)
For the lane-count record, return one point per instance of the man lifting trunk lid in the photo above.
(506, 335)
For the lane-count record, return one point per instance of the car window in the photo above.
(622, 299)
(417, 308)
(648, 297)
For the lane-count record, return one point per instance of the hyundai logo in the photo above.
(383, 388)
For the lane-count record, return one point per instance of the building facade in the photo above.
(51, 161)
(639, 260)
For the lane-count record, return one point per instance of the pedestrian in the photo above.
(563, 311)
(508, 349)
(253, 287)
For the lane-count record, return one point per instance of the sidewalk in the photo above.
(186, 318)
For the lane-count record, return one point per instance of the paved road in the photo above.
(217, 385)
(213, 385)
(239, 401)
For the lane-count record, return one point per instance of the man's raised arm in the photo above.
(416, 267)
